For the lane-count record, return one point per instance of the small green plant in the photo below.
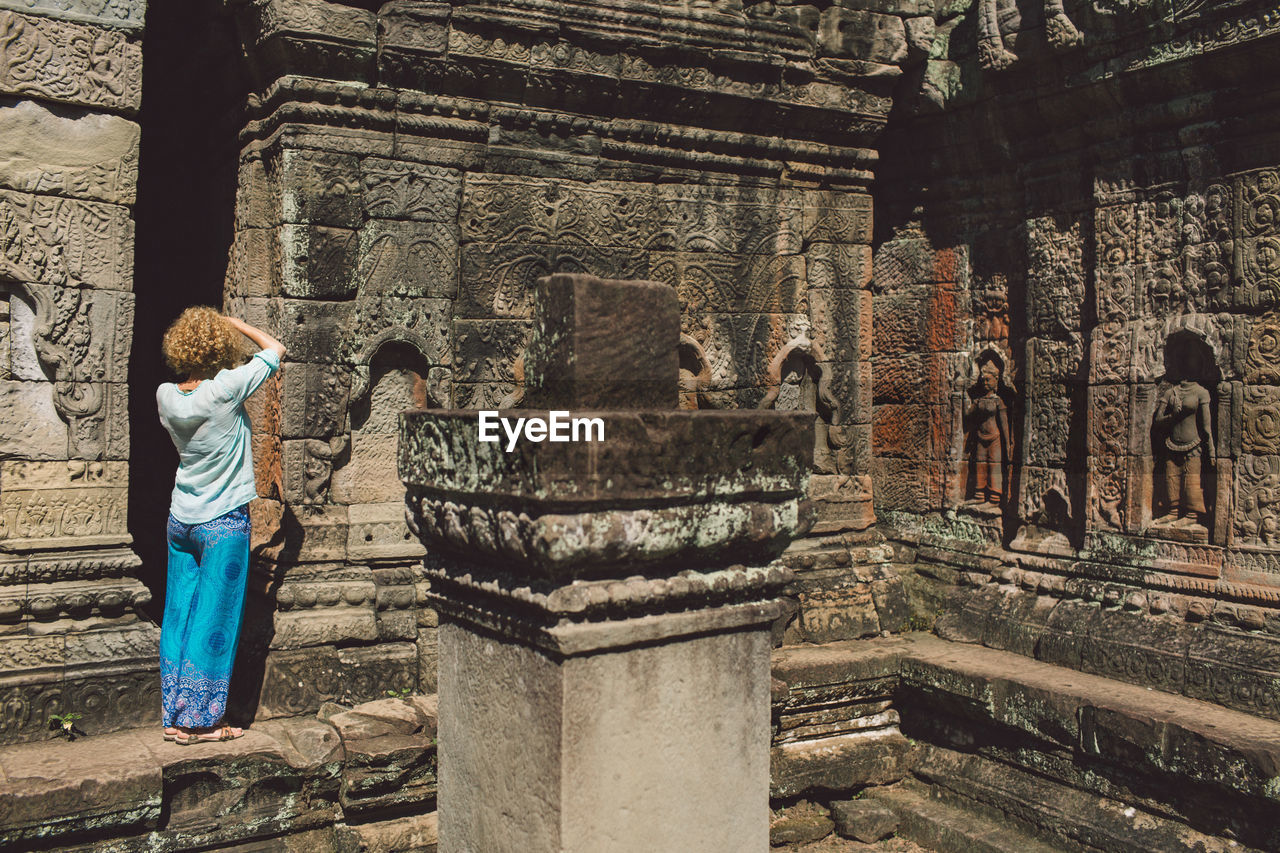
(919, 623)
(66, 724)
(400, 693)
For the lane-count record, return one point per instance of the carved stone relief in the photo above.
(68, 173)
(1185, 451)
(120, 14)
(989, 441)
(1257, 516)
(70, 62)
(994, 54)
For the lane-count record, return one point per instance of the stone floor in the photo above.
(836, 844)
(347, 779)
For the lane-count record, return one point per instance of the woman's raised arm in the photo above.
(256, 335)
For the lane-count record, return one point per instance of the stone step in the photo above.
(133, 791)
(1082, 820)
(1166, 736)
(1161, 733)
(943, 827)
(1194, 771)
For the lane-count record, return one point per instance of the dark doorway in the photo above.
(192, 100)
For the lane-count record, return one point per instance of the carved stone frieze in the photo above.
(313, 400)
(1112, 353)
(53, 504)
(110, 599)
(492, 599)
(1109, 424)
(317, 188)
(70, 62)
(1261, 434)
(487, 350)
(394, 189)
(500, 276)
(1046, 498)
(405, 25)
(407, 259)
(118, 14)
(380, 531)
(52, 240)
(313, 18)
(577, 541)
(347, 624)
(1257, 500)
(1055, 282)
(378, 318)
(79, 340)
(658, 217)
(317, 261)
(300, 681)
(740, 347)
(1262, 364)
(124, 700)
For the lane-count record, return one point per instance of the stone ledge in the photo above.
(1110, 820)
(944, 827)
(131, 790)
(841, 763)
(1171, 642)
(1164, 735)
(1099, 716)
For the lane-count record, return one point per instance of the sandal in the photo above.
(223, 732)
(170, 733)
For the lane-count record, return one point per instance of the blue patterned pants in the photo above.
(204, 600)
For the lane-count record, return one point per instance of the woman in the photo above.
(208, 527)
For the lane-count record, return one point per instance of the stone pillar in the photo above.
(605, 606)
(357, 287)
(70, 639)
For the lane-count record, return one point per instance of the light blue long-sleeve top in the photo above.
(210, 429)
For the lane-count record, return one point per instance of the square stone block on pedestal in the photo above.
(603, 344)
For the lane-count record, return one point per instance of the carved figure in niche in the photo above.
(988, 443)
(1184, 432)
(802, 359)
(695, 372)
(318, 470)
(992, 52)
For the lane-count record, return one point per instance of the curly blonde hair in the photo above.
(200, 343)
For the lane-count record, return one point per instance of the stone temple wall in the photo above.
(70, 90)
(1099, 233)
(1044, 373)
(407, 175)
(1074, 205)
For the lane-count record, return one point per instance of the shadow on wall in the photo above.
(192, 95)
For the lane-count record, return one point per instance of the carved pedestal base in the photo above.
(842, 591)
(561, 732)
(1176, 529)
(340, 632)
(71, 642)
